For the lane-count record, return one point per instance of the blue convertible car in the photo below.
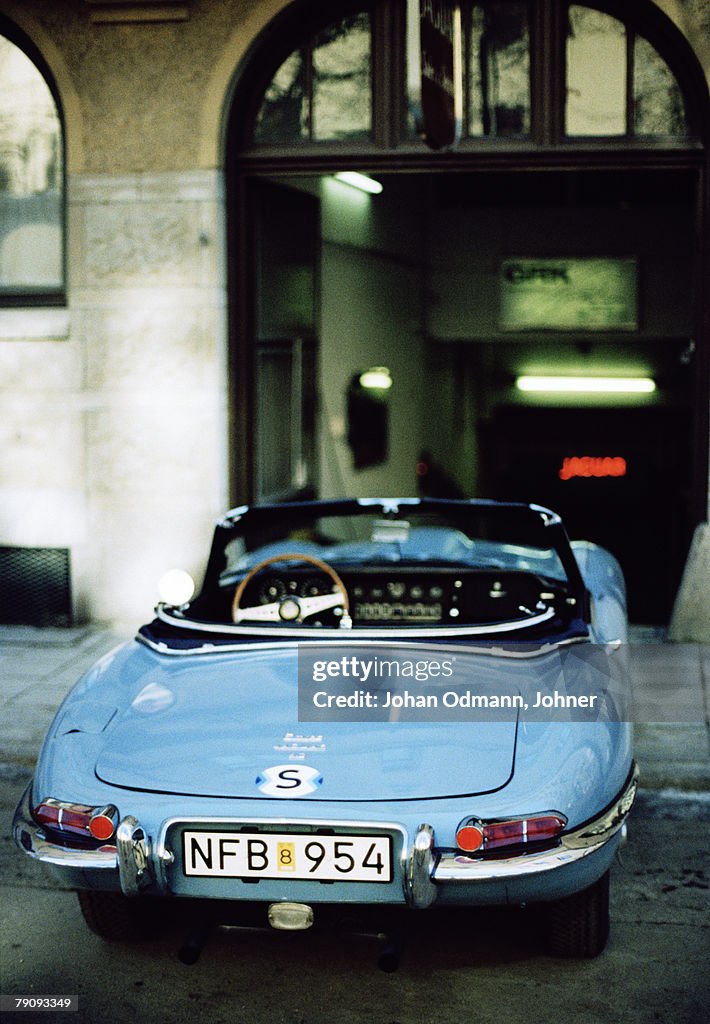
(378, 707)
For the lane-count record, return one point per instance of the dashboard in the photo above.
(411, 595)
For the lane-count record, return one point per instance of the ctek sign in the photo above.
(576, 293)
(435, 70)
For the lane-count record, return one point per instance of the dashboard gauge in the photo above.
(271, 590)
(314, 586)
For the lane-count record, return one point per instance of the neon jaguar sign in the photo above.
(592, 466)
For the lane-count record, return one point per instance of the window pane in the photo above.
(30, 177)
(596, 74)
(341, 80)
(284, 113)
(658, 103)
(499, 70)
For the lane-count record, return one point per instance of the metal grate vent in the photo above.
(35, 587)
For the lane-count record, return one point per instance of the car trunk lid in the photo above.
(227, 725)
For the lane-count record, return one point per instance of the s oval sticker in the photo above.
(289, 780)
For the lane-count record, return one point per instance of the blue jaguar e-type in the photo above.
(378, 706)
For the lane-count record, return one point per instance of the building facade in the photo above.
(189, 297)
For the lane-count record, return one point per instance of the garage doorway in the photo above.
(409, 280)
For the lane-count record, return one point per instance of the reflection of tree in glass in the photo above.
(658, 103)
(341, 80)
(598, 70)
(31, 170)
(499, 69)
(322, 90)
(29, 126)
(281, 117)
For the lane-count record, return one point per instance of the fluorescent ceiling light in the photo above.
(377, 377)
(588, 385)
(361, 181)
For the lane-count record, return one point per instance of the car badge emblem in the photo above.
(289, 780)
(297, 745)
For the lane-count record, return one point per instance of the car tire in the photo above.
(578, 926)
(115, 917)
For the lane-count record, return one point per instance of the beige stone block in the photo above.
(28, 367)
(143, 542)
(173, 351)
(42, 516)
(34, 324)
(146, 229)
(142, 244)
(185, 186)
(92, 299)
(165, 448)
(41, 441)
(92, 189)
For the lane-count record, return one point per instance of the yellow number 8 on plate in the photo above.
(286, 857)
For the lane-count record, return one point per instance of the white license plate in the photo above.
(351, 858)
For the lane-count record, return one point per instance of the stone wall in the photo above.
(148, 313)
(114, 420)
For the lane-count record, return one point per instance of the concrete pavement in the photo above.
(671, 686)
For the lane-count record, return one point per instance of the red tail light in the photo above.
(103, 823)
(77, 819)
(470, 837)
(473, 835)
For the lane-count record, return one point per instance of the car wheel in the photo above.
(114, 916)
(578, 926)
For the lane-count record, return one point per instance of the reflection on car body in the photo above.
(390, 705)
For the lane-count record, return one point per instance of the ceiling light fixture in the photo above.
(360, 181)
(377, 378)
(588, 385)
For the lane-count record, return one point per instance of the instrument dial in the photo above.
(315, 585)
(271, 590)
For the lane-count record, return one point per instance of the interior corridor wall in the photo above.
(372, 314)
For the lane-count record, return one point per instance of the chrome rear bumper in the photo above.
(426, 869)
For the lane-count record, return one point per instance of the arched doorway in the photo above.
(563, 238)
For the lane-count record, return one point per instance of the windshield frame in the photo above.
(245, 519)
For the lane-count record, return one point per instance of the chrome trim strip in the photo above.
(31, 839)
(455, 867)
(574, 846)
(602, 828)
(548, 517)
(337, 634)
(546, 647)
